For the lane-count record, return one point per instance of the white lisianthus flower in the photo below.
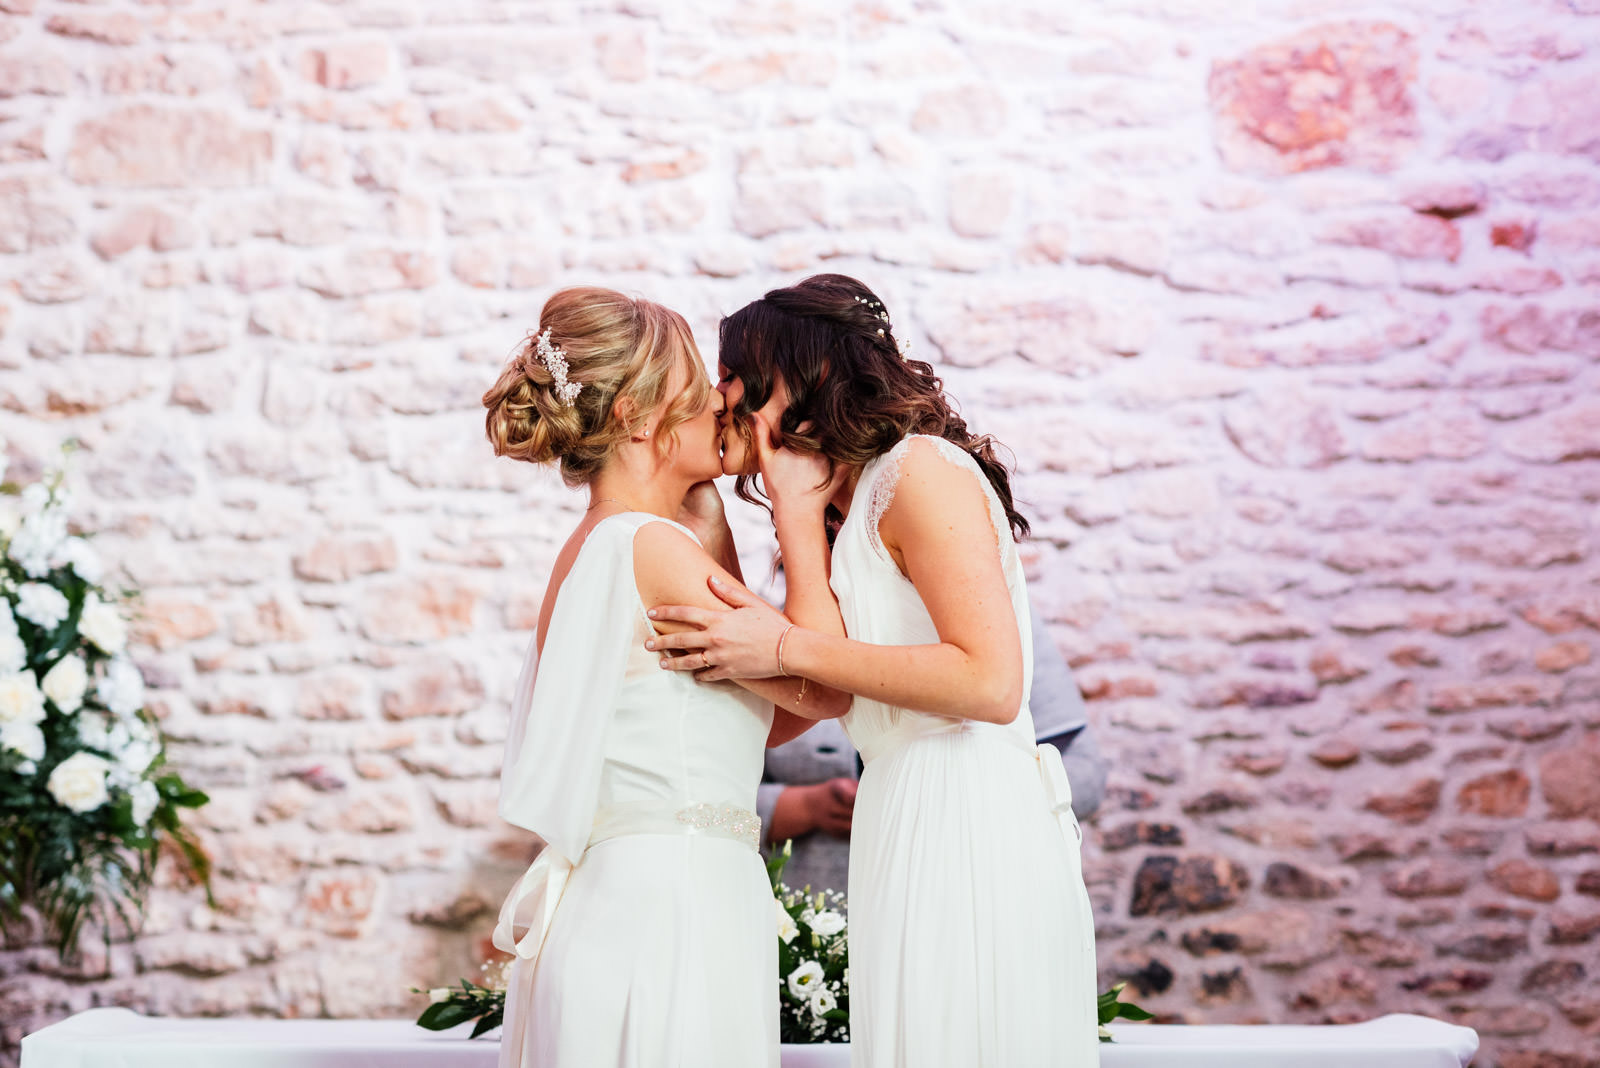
(102, 624)
(787, 930)
(21, 700)
(79, 782)
(121, 688)
(805, 979)
(79, 555)
(24, 739)
(144, 797)
(827, 923)
(65, 683)
(43, 606)
(823, 1002)
(438, 994)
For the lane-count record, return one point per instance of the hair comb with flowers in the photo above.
(555, 361)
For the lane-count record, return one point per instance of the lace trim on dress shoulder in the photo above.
(887, 479)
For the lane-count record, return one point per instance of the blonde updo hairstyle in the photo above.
(616, 347)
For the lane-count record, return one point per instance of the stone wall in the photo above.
(1289, 316)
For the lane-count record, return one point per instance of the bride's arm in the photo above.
(670, 567)
(938, 527)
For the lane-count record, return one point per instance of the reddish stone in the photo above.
(1552, 977)
(40, 72)
(1569, 778)
(1301, 884)
(347, 65)
(1169, 885)
(1565, 610)
(1283, 429)
(1141, 832)
(1487, 944)
(1224, 798)
(165, 622)
(1353, 847)
(1412, 805)
(1503, 794)
(1449, 983)
(1562, 656)
(1419, 237)
(1427, 878)
(967, 111)
(1589, 882)
(419, 610)
(1336, 753)
(1472, 842)
(1569, 929)
(1333, 664)
(456, 914)
(339, 696)
(1261, 762)
(339, 559)
(1447, 198)
(1334, 986)
(1562, 840)
(1504, 1020)
(273, 620)
(1339, 94)
(1521, 878)
(117, 28)
(142, 145)
(437, 687)
(341, 901)
(1383, 949)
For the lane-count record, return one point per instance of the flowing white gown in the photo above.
(971, 933)
(645, 930)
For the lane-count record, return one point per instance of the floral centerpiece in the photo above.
(813, 975)
(86, 802)
(813, 960)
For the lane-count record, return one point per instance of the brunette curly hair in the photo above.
(852, 396)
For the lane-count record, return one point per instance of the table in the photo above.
(103, 1038)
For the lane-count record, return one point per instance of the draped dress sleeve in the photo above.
(560, 715)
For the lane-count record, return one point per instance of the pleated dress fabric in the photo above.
(971, 933)
(645, 930)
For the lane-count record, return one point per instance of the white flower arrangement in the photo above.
(85, 798)
(813, 960)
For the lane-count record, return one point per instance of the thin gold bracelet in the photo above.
(781, 639)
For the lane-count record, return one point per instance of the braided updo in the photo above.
(615, 346)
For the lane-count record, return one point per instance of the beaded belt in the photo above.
(720, 820)
(526, 914)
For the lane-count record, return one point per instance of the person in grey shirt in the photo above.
(808, 791)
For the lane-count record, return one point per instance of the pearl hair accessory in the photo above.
(883, 315)
(555, 361)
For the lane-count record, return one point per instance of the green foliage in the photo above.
(1110, 1006)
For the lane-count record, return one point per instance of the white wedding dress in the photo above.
(971, 934)
(645, 930)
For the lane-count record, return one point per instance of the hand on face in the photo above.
(798, 483)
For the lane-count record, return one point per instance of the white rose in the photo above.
(121, 688)
(79, 782)
(13, 654)
(24, 739)
(102, 624)
(79, 555)
(786, 925)
(823, 1002)
(804, 979)
(65, 683)
(37, 539)
(135, 758)
(144, 797)
(439, 993)
(20, 698)
(43, 606)
(94, 731)
(827, 923)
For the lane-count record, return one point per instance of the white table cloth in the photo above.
(119, 1038)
